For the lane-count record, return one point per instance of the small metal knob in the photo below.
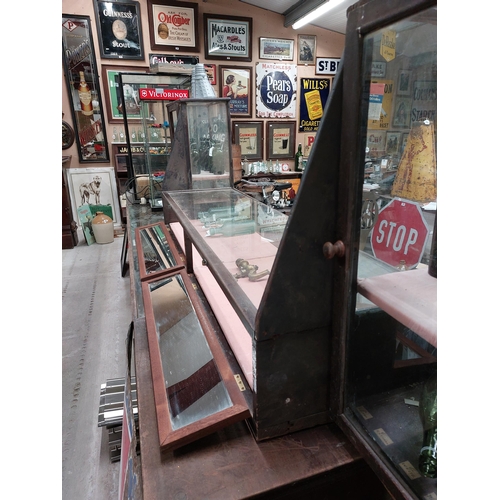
(330, 250)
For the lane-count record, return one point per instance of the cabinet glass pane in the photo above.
(208, 138)
(392, 349)
(194, 386)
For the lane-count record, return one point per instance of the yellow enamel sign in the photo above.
(388, 45)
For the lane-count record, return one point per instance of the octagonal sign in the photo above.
(400, 233)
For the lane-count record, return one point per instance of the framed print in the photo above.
(250, 136)
(276, 48)
(114, 105)
(392, 143)
(211, 70)
(306, 49)
(119, 29)
(173, 25)
(404, 82)
(281, 140)
(236, 83)
(95, 187)
(402, 112)
(228, 37)
(83, 87)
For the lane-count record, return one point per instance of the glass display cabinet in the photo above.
(384, 326)
(147, 130)
(201, 137)
(330, 312)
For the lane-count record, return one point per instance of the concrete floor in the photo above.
(96, 314)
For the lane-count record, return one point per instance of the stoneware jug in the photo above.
(102, 225)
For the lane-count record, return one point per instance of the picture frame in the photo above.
(280, 142)
(119, 29)
(235, 82)
(375, 141)
(84, 91)
(276, 48)
(250, 136)
(392, 143)
(220, 45)
(306, 49)
(402, 112)
(165, 30)
(109, 78)
(94, 186)
(404, 140)
(404, 82)
(211, 70)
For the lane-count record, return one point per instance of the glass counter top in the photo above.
(237, 237)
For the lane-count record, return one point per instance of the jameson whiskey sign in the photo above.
(313, 96)
(119, 29)
(276, 90)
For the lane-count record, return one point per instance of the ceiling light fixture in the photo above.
(314, 14)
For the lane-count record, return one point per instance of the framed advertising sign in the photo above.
(82, 81)
(236, 83)
(327, 65)
(250, 136)
(276, 90)
(119, 29)
(114, 104)
(306, 49)
(228, 37)
(313, 96)
(173, 25)
(281, 140)
(276, 48)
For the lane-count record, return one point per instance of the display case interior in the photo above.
(201, 137)
(387, 400)
(147, 130)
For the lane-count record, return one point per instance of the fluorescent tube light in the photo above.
(322, 9)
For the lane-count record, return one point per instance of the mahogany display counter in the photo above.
(230, 463)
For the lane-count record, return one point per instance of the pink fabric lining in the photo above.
(410, 297)
(236, 334)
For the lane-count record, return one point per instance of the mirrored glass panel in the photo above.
(193, 384)
(156, 251)
(392, 349)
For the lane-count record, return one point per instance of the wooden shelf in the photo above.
(410, 297)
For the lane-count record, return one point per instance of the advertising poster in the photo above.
(424, 106)
(276, 90)
(384, 117)
(174, 25)
(313, 96)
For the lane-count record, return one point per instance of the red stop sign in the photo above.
(400, 234)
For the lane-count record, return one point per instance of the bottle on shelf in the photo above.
(85, 96)
(427, 461)
(298, 159)
(402, 266)
(432, 270)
